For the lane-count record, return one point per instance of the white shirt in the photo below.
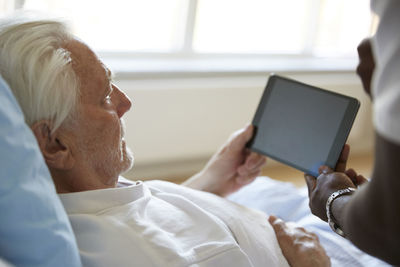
(386, 79)
(162, 224)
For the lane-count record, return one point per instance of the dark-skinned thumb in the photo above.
(311, 182)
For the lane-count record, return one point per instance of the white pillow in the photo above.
(34, 228)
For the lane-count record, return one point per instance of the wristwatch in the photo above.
(331, 220)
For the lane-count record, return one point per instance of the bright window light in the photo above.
(6, 7)
(305, 28)
(251, 26)
(342, 25)
(120, 25)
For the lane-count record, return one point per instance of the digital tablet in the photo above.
(301, 125)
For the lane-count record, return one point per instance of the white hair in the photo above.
(38, 69)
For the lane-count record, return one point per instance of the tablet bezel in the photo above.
(341, 135)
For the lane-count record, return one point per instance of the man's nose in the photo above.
(124, 102)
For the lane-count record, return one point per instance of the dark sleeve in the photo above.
(372, 217)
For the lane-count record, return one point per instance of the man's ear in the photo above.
(55, 150)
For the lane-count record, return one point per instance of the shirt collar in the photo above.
(94, 201)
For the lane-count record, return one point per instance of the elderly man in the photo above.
(75, 112)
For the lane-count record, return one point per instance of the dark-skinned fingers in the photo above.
(352, 174)
(324, 169)
(342, 161)
(361, 180)
(311, 183)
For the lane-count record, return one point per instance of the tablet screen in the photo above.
(299, 125)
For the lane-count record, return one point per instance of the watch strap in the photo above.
(331, 220)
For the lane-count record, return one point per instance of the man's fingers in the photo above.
(251, 160)
(314, 235)
(290, 228)
(272, 219)
(260, 164)
(286, 231)
(279, 227)
(248, 177)
(241, 137)
(278, 224)
(254, 161)
(344, 156)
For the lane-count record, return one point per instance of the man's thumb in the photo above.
(243, 137)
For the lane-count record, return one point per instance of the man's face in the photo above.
(97, 132)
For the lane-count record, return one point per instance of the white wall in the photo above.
(176, 124)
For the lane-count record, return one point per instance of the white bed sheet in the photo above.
(291, 204)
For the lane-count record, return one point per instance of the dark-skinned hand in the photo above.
(329, 181)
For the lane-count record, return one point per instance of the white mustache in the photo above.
(123, 128)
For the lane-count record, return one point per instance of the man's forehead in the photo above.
(79, 50)
(94, 76)
(85, 62)
(109, 73)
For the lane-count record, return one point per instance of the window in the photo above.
(308, 27)
(198, 28)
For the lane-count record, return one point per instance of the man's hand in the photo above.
(366, 64)
(319, 189)
(300, 247)
(232, 167)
